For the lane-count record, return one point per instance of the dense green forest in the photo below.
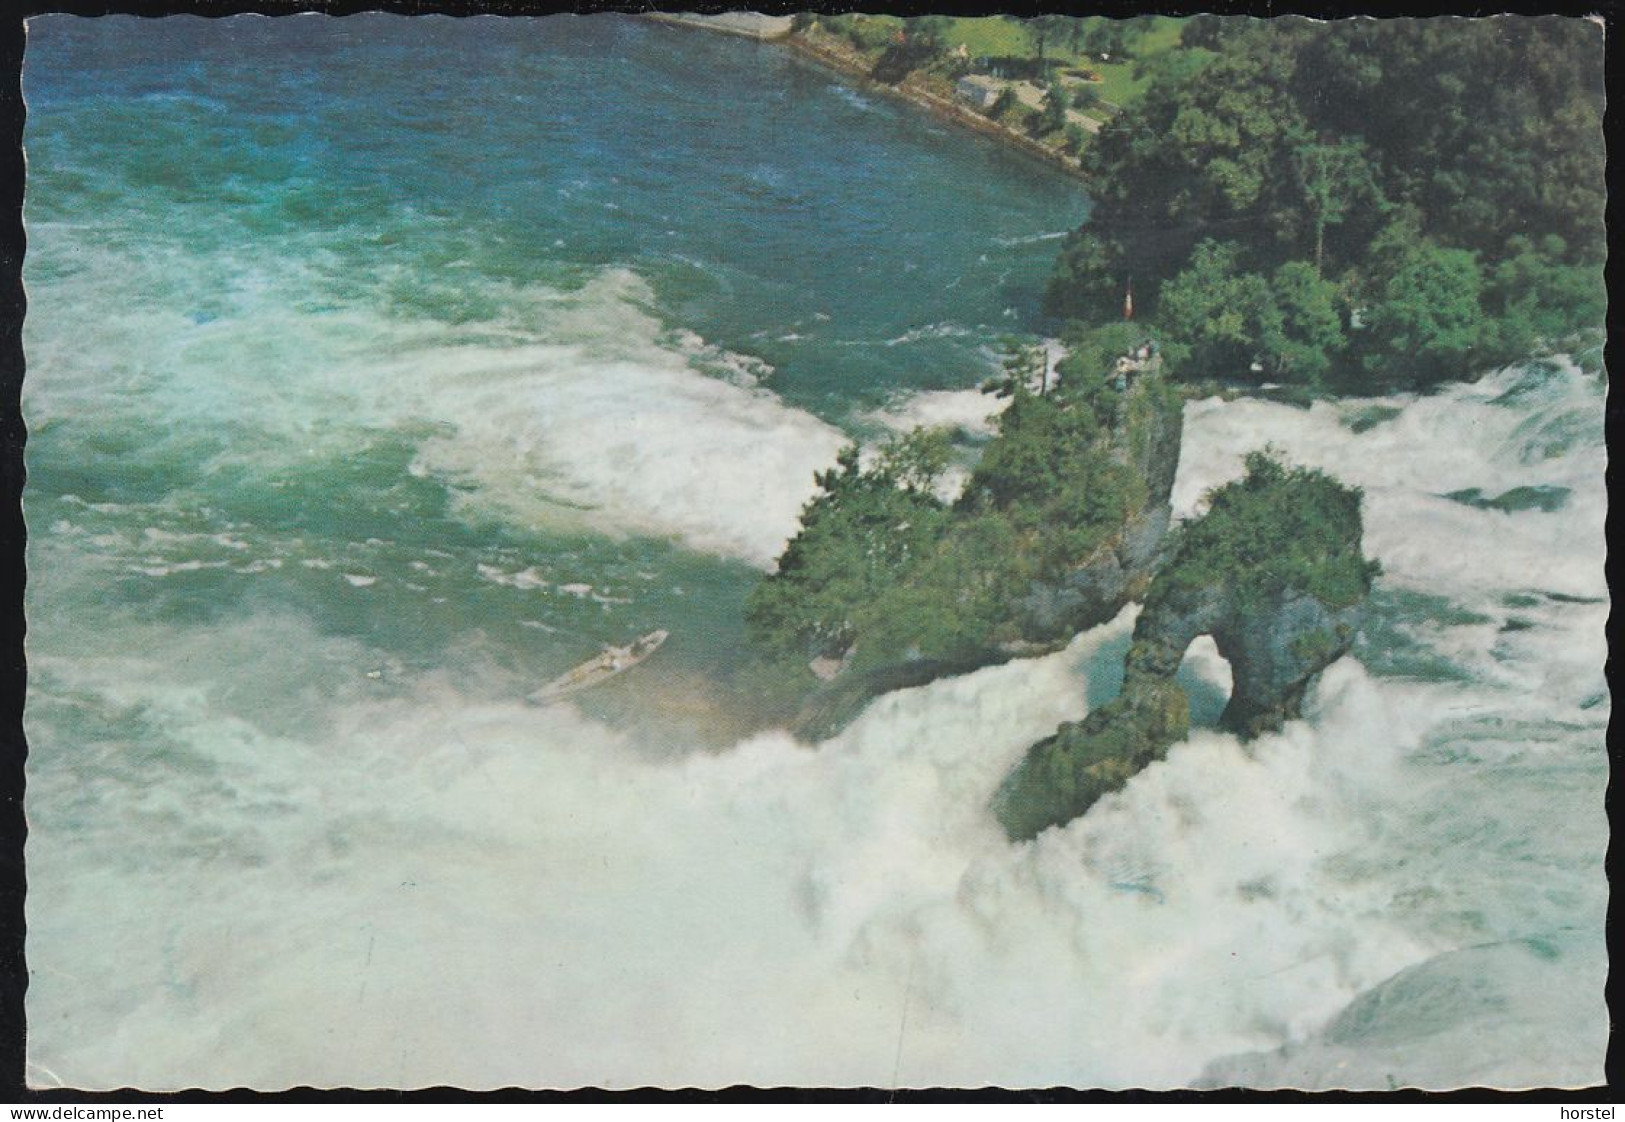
(1354, 204)
(1345, 206)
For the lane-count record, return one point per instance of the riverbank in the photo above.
(746, 25)
(835, 54)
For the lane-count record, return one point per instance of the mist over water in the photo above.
(382, 369)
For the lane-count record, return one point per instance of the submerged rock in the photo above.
(1542, 497)
(1487, 1015)
(1275, 574)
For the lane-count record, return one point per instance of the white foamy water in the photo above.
(569, 408)
(624, 435)
(422, 886)
(1517, 427)
(969, 410)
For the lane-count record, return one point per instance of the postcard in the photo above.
(817, 551)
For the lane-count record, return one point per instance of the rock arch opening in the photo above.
(1207, 679)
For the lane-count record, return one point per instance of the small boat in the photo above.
(614, 660)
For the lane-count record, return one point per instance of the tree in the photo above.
(1053, 117)
(1536, 299)
(1076, 32)
(1207, 31)
(858, 536)
(929, 33)
(1087, 282)
(1087, 372)
(1277, 528)
(1429, 324)
(913, 463)
(1022, 369)
(1334, 177)
(1203, 156)
(950, 603)
(1002, 104)
(1046, 29)
(1054, 479)
(1134, 29)
(1110, 38)
(1216, 315)
(1511, 125)
(1301, 345)
(922, 39)
(1361, 149)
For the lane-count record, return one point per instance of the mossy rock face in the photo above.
(1061, 526)
(1274, 648)
(1369, 417)
(1063, 776)
(1144, 436)
(838, 703)
(1279, 622)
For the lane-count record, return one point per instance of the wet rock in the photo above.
(1279, 612)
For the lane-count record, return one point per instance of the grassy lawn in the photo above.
(1005, 37)
(992, 36)
(1118, 82)
(1164, 33)
(982, 35)
(876, 30)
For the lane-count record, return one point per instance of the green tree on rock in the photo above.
(1053, 479)
(857, 538)
(1279, 528)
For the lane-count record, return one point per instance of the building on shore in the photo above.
(979, 89)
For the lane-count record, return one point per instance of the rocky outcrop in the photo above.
(839, 702)
(1275, 647)
(1274, 644)
(1144, 436)
(1280, 613)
